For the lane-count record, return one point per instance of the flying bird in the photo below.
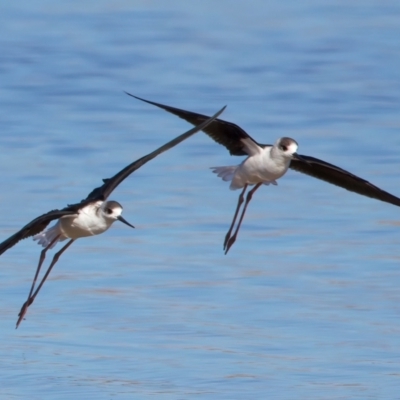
(92, 216)
(266, 163)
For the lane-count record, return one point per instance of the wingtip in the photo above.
(136, 97)
(220, 111)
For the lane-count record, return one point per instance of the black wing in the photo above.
(36, 226)
(40, 223)
(223, 132)
(337, 176)
(102, 192)
(229, 135)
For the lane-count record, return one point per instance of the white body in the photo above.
(263, 165)
(90, 220)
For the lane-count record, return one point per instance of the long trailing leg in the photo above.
(41, 260)
(248, 198)
(31, 298)
(240, 201)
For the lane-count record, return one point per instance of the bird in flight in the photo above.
(266, 163)
(92, 216)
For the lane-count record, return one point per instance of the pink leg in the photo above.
(31, 298)
(240, 201)
(248, 198)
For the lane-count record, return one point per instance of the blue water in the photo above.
(305, 305)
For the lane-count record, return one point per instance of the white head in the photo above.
(112, 210)
(287, 147)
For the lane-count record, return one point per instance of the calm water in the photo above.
(306, 304)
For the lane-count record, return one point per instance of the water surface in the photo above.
(305, 305)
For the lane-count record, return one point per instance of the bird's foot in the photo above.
(23, 311)
(229, 243)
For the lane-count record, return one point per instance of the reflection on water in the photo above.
(306, 303)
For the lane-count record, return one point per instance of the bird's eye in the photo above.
(284, 148)
(108, 211)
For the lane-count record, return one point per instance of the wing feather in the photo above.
(37, 225)
(231, 135)
(223, 132)
(102, 192)
(337, 176)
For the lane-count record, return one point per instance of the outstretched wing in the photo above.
(223, 132)
(230, 135)
(102, 192)
(337, 176)
(35, 226)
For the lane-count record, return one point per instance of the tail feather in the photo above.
(226, 173)
(46, 237)
(229, 174)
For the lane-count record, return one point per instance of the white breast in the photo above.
(261, 168)
(88, 222)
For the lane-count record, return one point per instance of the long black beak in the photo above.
(124, 221)
(296, 156)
